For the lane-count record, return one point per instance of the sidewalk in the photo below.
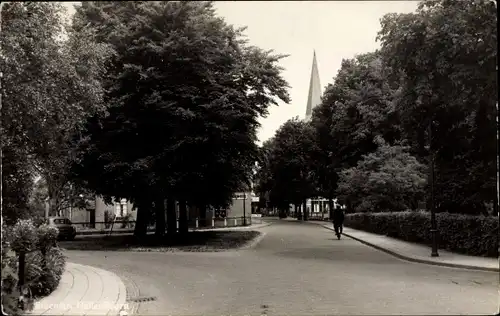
(417, 253)
(84, 290)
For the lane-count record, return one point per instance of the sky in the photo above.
(334, 29)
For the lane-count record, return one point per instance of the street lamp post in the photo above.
(70, 201)
(244, 209)
(434, 230)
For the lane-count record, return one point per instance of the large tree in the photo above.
(286, 173)
(355, 109)
(263, 179)
(51, 85)
(185, 93)
(446, 57)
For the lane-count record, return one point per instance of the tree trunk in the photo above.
(160, 217)
(183, 219)
(143, 216)
(53, 191)
(52, 209)
(306, 215)
(171, 217)
(202, 210)
(321, 209)
(495, 205)
(330, 208)
(301, 212)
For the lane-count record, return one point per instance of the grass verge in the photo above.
(200, 241)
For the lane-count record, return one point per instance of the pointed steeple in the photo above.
(314, 98)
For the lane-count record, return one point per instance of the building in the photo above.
(314, 97)
(94, 216)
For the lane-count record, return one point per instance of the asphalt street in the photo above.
(297, 268)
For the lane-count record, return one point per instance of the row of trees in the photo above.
(50, 85)
(170, 109)
(428, 95)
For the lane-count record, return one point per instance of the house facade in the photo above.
(94, 216)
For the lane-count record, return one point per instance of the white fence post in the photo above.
(225, 222)
(213, 222)
(235, 222)
(196, 222)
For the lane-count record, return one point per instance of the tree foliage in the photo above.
(446, 57)
(387, 179)
(432, 87)
(184, 94)
(285, 175)
(51, 85)
(357, 107)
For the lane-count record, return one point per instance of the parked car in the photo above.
(65, 227)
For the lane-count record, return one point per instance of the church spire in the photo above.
(314, 98)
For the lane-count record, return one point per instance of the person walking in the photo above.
(338, 221)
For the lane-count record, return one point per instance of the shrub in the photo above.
(108, 218)
(44, 281)
(24, 236)
(126, 220)
(44, 262)
(389, 178)
(47, 237)
(10, 293)
(467, 234)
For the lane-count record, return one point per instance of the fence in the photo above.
(193, 224)
(318, 218)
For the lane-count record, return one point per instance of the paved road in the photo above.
(298, 268)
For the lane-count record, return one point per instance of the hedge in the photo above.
(45, 262)
(466, 234)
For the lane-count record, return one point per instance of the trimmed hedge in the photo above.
(466, 234)
(45, 262)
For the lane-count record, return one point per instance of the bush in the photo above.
(466, 234)
(24, 236)
(10, 294)
(108, 218)
(44, 262)
(126, 220)
(44, 280)
(387, 179)
(47, 237)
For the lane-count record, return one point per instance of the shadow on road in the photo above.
(192, 241)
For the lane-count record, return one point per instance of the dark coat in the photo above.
(338, 216)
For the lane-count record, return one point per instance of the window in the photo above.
(123, 207)
(117, 209)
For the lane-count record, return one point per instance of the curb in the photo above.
(411, 259)
(252, 243)
(132, 292)
(235, 228)
(130, 231)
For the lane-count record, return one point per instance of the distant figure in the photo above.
(338, 221)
